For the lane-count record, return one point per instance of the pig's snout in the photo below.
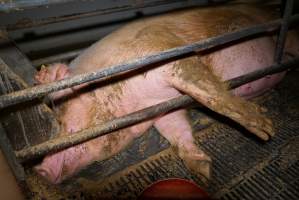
(59, 166)
(47, 173)
(51, 168)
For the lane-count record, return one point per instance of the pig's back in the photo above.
(147, 36)
(190, 26)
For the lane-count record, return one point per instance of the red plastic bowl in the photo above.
(174, 189)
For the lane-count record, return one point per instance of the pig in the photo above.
(200, 75)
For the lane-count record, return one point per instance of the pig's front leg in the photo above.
(76, 115)
(197, 80)
(59, 166)
(177, 130)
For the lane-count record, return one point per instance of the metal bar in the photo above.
(90, 133)
(10, 156)
(283, 31)
(118, 8)
(41, 90)
(136, 117)
(57, 57)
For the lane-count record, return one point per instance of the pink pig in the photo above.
(199, 76)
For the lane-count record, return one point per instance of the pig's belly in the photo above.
(242, 59)
(258, 87)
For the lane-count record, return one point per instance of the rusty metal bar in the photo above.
(283, 31)
(93, 132)
(138, 116)
(41, 90)
(57, 57)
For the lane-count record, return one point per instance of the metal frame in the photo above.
(136, 117)
(170, 54)
(119, 6)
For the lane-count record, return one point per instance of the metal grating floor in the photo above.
(243, 166)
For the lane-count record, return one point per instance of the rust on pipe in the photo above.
(42, 90)
(138, 116)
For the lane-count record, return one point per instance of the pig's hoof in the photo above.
(262, 127)
(47, 174)
(200, 164)
(256, 122)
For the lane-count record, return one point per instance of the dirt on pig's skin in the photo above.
(198, 76)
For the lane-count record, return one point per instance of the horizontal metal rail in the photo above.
(103, 74)
(87, 134)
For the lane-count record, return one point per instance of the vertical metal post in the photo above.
(10, 156)
(283, 31)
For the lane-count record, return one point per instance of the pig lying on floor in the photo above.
(199, 76)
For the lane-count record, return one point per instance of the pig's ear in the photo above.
(52, 72)
(62, 70)
(58, 65)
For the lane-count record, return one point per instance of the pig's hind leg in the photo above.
(197, 80)
(177, 130)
